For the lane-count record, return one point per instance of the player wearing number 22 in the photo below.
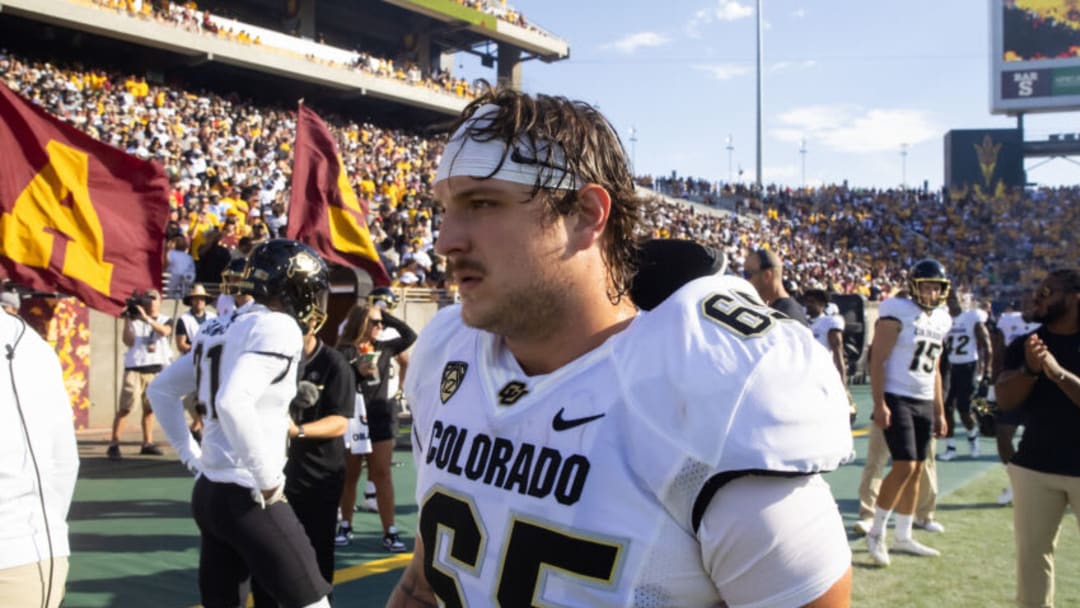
(572, 450)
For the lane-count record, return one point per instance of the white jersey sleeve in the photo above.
(801, 511)
(258, 369)
(825, 324)
(730, 389)
(166, 393)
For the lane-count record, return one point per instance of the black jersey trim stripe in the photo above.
(286, 358)
(718, 481)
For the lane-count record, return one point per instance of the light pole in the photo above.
(730, 148)
(760, 42)
(802, 152)
(903, 166)
(633, 151)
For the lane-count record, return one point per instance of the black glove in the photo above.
(665, 265)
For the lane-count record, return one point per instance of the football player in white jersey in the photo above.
(574, 451)
(828, 328)
(969, 351)
(906, 386)
(245, 370)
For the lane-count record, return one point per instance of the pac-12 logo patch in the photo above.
(452, 375)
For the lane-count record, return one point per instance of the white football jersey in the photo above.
(585, 486)
(823, 324)
(244, 371)
(1012, 326)
(962, 343)
(911, 367)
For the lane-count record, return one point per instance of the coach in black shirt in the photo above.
(765, 271)
(1040, 376)
(315, 469)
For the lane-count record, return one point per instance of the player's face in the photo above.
(930, 291)
(505, 254)
(814, 307)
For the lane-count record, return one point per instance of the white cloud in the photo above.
(724, 71)
(632, 42)
(798, 13)
(783, 65)
(724, 10)
(849, 128)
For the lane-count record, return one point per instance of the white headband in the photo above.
(464, 156)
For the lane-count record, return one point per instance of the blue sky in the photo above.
(855, 78)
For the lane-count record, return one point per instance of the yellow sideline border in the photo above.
(381, 566)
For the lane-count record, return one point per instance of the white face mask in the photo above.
(464, 156)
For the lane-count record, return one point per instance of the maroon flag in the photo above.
(77, 216)
(323, 209)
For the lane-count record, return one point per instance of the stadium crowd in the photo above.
(189, 17)
(229, 161)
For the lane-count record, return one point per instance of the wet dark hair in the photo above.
(593, 153)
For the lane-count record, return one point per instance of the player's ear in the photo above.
(590, 218)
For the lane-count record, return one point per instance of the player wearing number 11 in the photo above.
(908, 405)
(244, 370)
(572, 450)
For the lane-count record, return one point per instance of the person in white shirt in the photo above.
(146, 334)
(245, 370)
(572, 450)
(39, 463)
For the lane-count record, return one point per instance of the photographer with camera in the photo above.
(315, 465)
(146, 334)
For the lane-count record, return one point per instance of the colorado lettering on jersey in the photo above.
(530, 470)
(933, 333)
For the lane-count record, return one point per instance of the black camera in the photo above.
(143, 300)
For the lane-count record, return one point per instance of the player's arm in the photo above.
(413, 590)
(885, 333)
(253, 372)
(166, 393)
(986, 349)
(183, 342)
(940, 424)
(777, 541)
(1018, 375)
(836, 345)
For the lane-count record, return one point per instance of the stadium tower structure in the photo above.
(306, 49)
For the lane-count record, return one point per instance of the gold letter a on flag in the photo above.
(53, 218)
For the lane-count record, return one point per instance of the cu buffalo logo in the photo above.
(512, 392)
(452, 375)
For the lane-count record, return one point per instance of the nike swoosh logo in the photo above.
(561, 424)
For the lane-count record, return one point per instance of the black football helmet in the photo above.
(384, 297)
(294, 275)
(928, 271)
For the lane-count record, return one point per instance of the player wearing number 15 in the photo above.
(908, 404)
(245, 372)
(574, 451)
